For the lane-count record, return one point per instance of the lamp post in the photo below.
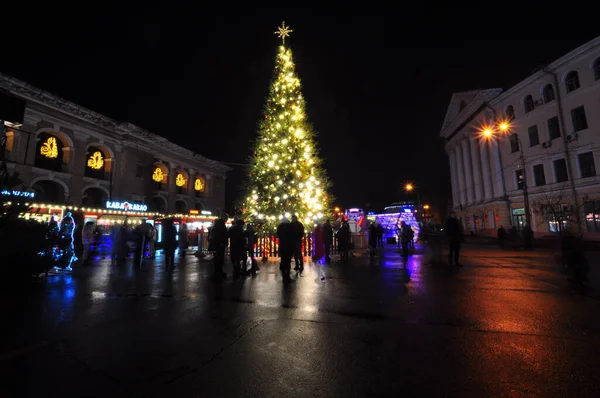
(502, 128)
(409, 187)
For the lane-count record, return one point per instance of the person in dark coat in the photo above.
(501, 236)
(327, 239)
(343, 237)
(169, 242)
(455, 233)
(297, 229)
(251, 239)
(237, 248)
(372, 239)
(286, 248)
(218, 244)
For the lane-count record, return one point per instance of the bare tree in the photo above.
(554, 203)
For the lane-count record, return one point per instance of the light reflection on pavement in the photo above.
(505, 324)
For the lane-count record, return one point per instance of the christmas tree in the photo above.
(286, 177)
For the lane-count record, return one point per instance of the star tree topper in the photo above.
(283, 31)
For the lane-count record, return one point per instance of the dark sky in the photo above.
(377, 81)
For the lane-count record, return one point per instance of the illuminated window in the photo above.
(10, 141)
(49, 148)
(199, 184)
(158, 175)
(180, 180)
(50, 152)
(96, 161)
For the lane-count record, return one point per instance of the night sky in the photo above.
(377, 86)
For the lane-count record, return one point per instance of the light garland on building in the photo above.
(50, 148)
(199, 184)
(180, 180)
(158, 175)
(285, 177)
(96, 161)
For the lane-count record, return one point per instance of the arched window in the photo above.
(49, 152)
(572, 81)
(510, 112)
(548, 93)
(97, 163)
(158, 204)
(596, 68)
(199, 186)
(49, 191)
(160, 176)
(528, 104)
(94, 197)
(181, 181)
(180, 207)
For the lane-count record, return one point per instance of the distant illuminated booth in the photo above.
(391, 218)
(195, 221)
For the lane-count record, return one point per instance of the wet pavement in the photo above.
(505, 324)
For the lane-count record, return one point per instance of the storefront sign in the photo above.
(126, 206)
(18, 193)
(206, 213)
(194, 212)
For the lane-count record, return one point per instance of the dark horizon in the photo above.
(376, 92)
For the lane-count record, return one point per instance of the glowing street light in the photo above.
(426, 207)
(409, 187)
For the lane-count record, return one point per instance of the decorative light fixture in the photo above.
(199, 184)
(50, 148)
(96, 161)
(158, 175)
(180, 180)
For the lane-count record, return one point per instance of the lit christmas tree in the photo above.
(286, 177)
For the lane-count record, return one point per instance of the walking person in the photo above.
(455, 234)
(87, 238)
(251, 239)
(217, 242)
(237, 249)
(152, 242)
(343, 241)
(286, 248)
(501, 237)
(372, 239)
(327, 240)
(169, 242)
(297, 229)
(405, 238)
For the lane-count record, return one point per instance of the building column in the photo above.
(486, 170)
(462, 193)
(453, 178)
(477, 182)
(468, 171)
(499, 186)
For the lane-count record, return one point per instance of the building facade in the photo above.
(535, 145)
(72, 155)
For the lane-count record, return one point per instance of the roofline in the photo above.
(34, 94)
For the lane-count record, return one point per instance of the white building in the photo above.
(551, 150)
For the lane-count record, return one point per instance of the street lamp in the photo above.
(502, 128)
(409, 187)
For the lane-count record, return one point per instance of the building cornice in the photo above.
(474, 106)
(33, 94)
(565, 59)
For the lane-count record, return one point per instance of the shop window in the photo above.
(592, 215)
